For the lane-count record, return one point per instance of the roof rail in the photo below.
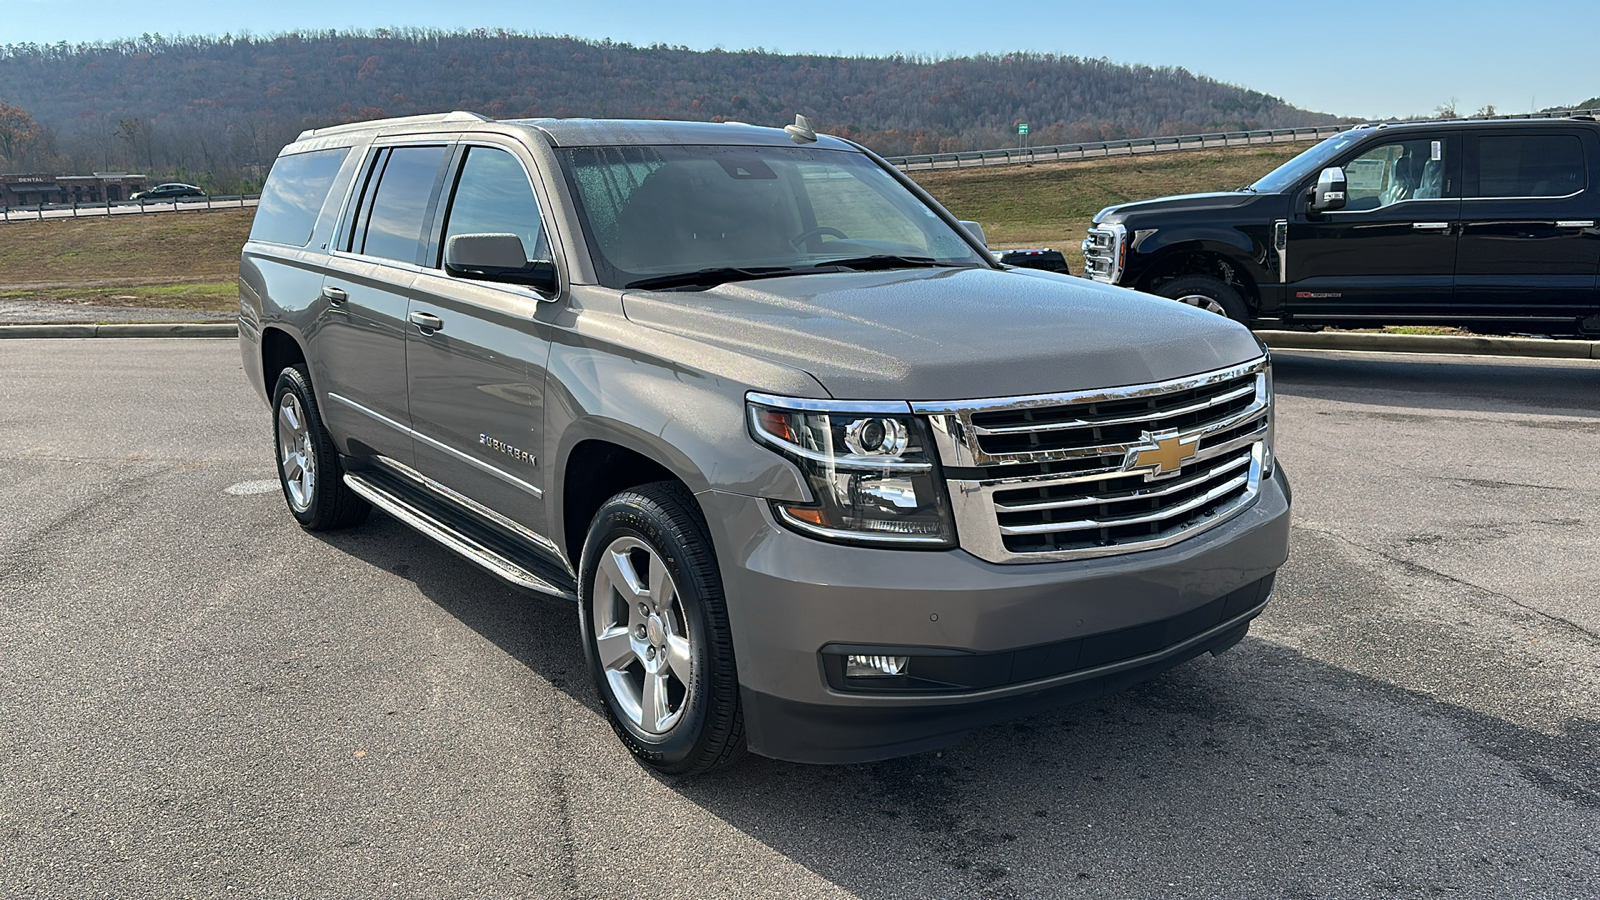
(456, 116)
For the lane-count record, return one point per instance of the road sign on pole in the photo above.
(1022, 135)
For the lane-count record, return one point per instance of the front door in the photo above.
(1390, 253)
(1530, 245)
(476, 354)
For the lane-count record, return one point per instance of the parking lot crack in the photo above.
(1585, 634)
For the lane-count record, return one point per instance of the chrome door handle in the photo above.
(1575, 223)
(427, 321)
(334, 295)
(1431, 226)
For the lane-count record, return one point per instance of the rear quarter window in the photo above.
(294, 194)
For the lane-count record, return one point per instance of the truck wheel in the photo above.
(655, 631)
(1212, 294)
(308, 464)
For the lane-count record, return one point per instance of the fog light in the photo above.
(874, 666)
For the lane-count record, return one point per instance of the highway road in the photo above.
(198, 699)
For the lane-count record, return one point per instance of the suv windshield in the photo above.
(1284, 177)
(694, 216)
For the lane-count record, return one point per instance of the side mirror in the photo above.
(975, 230)
(1329, 193)
(500, 258)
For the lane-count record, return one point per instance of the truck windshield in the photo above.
(1285, 176)
(690, 216)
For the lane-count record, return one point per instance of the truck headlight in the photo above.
(869, 467)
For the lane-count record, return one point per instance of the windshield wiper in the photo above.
(882, 261)
(709, 278)
(1247, 189)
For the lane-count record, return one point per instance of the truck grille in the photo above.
(1103, 472)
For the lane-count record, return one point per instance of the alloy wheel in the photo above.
(1202, 301)
(296, 461)
(642, 637)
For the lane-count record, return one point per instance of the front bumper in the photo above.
(1013, 638)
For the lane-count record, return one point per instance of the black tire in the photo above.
(659, 530)
(1214, 289)
(324, 502)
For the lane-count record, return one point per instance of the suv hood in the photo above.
(1177, 203)
(951, 334)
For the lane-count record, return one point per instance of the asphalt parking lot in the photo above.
(198, 699)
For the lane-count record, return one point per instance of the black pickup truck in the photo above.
(1488, 225)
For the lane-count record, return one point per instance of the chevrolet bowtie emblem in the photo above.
(1162, 451)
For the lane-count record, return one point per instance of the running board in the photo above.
(475, 551)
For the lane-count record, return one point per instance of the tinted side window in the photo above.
(293, 196)
(493, 196)
(1531, 165)
(394, 221)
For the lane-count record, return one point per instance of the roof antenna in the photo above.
(800, 132)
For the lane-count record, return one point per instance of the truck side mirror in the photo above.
(975, 230)
(501, 258)
(1329, 193)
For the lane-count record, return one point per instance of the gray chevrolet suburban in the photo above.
(824, 480)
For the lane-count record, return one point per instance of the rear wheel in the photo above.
(1207, 293)
(308, 463)
(655, 631)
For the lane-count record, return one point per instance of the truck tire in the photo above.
(309, 470)
(1205, 292)
(655, 631)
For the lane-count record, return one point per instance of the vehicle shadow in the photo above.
(1261, 773)
(1423, 381)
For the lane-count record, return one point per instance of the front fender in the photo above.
(690, 419)
(1246, 247)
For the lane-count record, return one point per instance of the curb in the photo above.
(143, 330)
(1540, 348)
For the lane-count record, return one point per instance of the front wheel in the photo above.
(655, 631)
(1207, 293)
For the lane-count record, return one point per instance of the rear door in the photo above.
(1530, 248)
(1390, 253)
(361, 335)
(476, 351)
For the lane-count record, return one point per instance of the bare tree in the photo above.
(17, 129)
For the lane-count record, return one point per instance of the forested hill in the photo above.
(176, 91)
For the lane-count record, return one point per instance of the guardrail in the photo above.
(125, 207)
(1012, 156)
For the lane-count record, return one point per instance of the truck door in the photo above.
(1529, 246)
(476, 354)
(1390, 253)
(360, 338)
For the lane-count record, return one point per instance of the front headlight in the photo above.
(870, 468)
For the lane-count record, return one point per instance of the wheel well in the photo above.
(596, 471)
(279, 351)
(1203, 262)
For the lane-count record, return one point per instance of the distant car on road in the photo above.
(169, 191)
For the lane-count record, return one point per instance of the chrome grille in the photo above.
(1096, 473)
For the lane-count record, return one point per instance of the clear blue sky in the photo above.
(1356, 58)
